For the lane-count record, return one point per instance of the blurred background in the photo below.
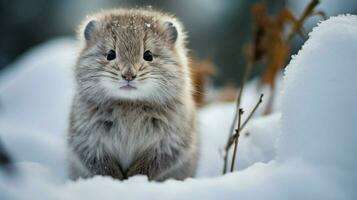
(218, 30)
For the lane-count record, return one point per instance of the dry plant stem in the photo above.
(247, 71)
(309, 10)
(297, 25)
(270, 102)
(236, 140)
(233, 138)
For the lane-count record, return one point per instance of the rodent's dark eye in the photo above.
(111, 55)
(148, 55)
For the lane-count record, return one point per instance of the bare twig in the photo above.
(236, 139)
(309, 11)
(247, 71)
(246, 75)
(233, 138)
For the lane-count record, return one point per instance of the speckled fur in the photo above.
(150, 130)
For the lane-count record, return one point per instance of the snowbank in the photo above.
(313, 158)
(36, 90)
(320, 95)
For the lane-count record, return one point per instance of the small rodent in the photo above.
(133, 111)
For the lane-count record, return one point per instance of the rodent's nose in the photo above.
(128, 77)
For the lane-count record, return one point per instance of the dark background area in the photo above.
(217, 29)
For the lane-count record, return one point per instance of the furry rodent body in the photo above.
(133, 111)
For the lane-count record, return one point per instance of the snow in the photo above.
(304, 150)
(40, 82)
(327, 93)
(214, 127)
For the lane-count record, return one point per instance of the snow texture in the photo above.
(305, 150)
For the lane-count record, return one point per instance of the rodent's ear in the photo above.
(171, 32)
(90, 29)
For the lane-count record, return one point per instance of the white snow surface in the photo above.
(304, 150)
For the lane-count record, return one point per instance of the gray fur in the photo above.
(171, 32)
(89, 30)
(150, 130)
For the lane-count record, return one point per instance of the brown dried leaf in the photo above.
(201, 70)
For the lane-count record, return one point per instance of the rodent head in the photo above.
(135, 55)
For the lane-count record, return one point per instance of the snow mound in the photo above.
(36, 90)
(319, 98)
(313, 159)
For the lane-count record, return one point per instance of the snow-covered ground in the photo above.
(304, 150)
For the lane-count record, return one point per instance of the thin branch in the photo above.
(247, 71)
(233, 138)
(309, 10)
(246, 75)
(236, 140)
